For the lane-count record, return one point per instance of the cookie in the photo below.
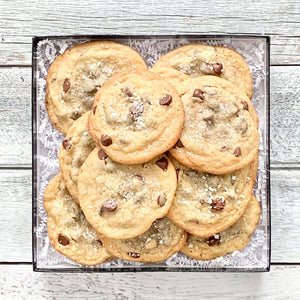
(122, 201)
(75, 76)
(171, 75)
(220, 131)
(75, 148)
(198, 59)
(206, 204)
(161, 241)
(68, 230)
(137, 116)
(235, 238)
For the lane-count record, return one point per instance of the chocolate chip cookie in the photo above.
(75, 148)
(122, 201)
(68, 230)
(161, 241)
(227, 241)
(220, 131)
(198, 59)
(76, 75)
(206, 204)
(137, 115)
(171, 75)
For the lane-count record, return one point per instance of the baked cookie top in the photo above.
(161, 241)
(206, 204)
(198, 59)
(137, 115)
(68, 230)
(75, 148)
(75, 76)
(122, 201)
(227, 241)
(171, 75)
(220, 131)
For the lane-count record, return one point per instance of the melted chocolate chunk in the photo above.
(218, 68)
(214, 240)
(127, 91)
(75, 115)
(136, 110)
(177, 173)
(140, 178)
(162, 163)
(102, 155)
(100, 242)
(109, 205)
(245, 105)
(237, 152)
(166, 100)
(63, 240)
(67, 143)
(134, 254)
(94, 110)
(106, 140)
(66, 85)
(199, 94)
(161, 200)
(218, 204)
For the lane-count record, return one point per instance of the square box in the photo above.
(46, 141)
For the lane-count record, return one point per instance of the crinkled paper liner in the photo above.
(255, 255)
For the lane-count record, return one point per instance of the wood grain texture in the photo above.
(15, 116)
(18, 281)
(20, 21)
(15, 215)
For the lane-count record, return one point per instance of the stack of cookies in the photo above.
(154, 161)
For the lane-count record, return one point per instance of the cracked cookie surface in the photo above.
(161, 241)
(68, 230)
(220, 131)
(75, 76)
(122, 201)
(198, 59)
(137, 115)
(206, 204)
(227, 241)
(75, 148)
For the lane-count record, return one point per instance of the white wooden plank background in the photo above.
(20, 20)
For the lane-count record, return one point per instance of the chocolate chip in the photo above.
(136, 109)
(63, 240)
(245, 105)
(109, 205)
(75, 115)
(214, 240)
(140, 178)
(94, 109)
(237, 152)
(162, 163)
(106, 140)
(218, 68)
(177, 173)
(161, 200)
(66, 85)
(178, 144)
(199, 94)
(127, 91)
(102, 155)
(166, 100)
(134, 254)
(67, 143)
(218, 204)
